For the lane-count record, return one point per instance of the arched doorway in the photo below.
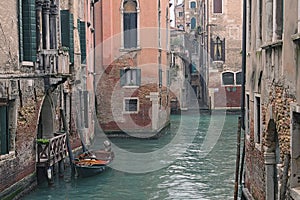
(45, 123)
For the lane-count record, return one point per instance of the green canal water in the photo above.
(194, 159)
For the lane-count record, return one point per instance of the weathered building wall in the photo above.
(228, 26)
(33, 101)
(148, 56)
(272, 75)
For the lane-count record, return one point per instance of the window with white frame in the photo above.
(231, 78)
(238, 78)
(218, 7)
(257, 119)
(228, 78)
(131, 105)
(130, 77)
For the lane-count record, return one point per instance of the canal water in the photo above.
(193, 159)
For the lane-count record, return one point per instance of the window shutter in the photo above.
(20, 25)
(138, 77)
(28, 22)
(212, 47)
(122, 77)
(83, 42)
(3, 131)
(86, 108)
(168, 78)
(67, 34)
(160, 77)
(223, 50)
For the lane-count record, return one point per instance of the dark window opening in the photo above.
(130, 24)
(228, 78)
(131, 105)
(238, 78)
(218, 6)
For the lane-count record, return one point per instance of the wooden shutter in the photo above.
(160, 77)
(138, 77)
(86, 108)
(67, 34)
(4, 139)
(122, 77)
(82, 33)
(223, 50)
(29, 46)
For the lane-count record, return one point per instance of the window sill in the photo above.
(130, 86)
(122, 49)
(273, 44)
(130, 112)
(8, 156)
(295, 193)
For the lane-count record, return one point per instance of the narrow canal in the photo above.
(193, 172)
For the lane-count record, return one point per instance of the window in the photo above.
(180, 14)
(228, 78)
(193, 23)
(192, 4)
(131, 105)
(218, 49)
(130, 77)
(218, 6)
(4, 131)
(130, 24)
(27, 31)
(247, 119)
(238, 78)
(257, 119)
(82, 35)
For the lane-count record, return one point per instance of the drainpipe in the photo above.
(244, 45)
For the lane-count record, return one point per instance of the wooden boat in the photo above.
(92, 162)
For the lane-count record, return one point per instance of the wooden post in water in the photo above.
(237, 163)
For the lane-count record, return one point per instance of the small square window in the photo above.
(131, 105)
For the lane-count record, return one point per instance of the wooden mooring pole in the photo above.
(237, 163)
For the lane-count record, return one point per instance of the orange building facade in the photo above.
(132, 65)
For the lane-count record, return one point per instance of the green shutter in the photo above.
(83, 42)
(138, 77)
(122, 77)
(29, 31)
(67, 32)
(4, 148)
(20, 32)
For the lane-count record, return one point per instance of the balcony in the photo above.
(51, 151)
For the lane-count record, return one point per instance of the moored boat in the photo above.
(91, 163)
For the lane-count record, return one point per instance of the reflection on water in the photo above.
(190, 176)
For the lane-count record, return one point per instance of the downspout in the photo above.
(244, 45)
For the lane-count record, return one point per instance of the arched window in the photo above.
(192, 4)
(238, 78)
(130, 24)
(228, 78)
(193, 23)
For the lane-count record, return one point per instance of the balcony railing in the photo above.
(52, 151)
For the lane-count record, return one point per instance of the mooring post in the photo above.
(237, 163)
